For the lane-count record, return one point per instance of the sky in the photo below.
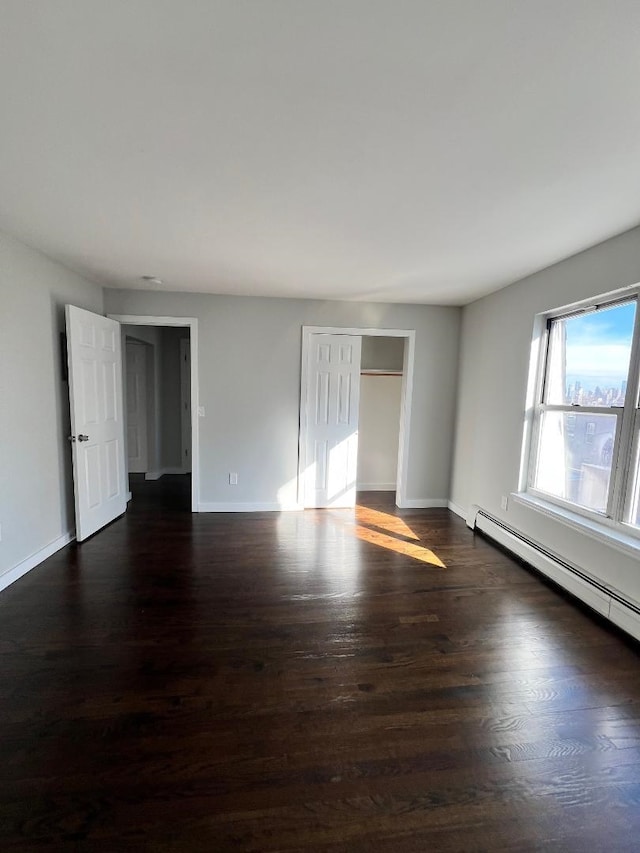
(599, 346)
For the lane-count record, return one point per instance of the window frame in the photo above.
(624, 486)
(631, 496)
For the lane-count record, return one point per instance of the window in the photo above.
(585, 445)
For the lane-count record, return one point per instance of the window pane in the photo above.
(588, 359)
(574, 457)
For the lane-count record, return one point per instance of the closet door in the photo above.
(332, 402)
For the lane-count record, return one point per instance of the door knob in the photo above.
(83, 437)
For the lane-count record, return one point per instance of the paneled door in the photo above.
(333, 392)
(97, 430)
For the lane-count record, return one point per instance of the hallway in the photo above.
(325, 680)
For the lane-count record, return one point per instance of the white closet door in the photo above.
(333, 390)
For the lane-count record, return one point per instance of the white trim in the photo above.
(192, 324)
(534, 392)
(375, 487)
(405, 404)
(472, 514)
(147, 320)
(605, 535)
(582, 589)
(128, 496)
(406, 398)
(457, 509)
(252, 506)
(367, 333)
(600, 599)
(423, 503)
(14, 574)
(625, 618)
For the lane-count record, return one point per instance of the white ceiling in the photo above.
(390, 150)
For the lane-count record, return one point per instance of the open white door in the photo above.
(97, 430)
(331, 418)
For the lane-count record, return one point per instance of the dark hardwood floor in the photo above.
(319, 681)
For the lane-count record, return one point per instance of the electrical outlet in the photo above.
(233, 479)
(504, 502)
(200, 411)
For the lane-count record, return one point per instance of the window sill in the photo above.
(627, 544)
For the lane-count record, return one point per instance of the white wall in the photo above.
(170, 382)
(36, 494)
(250, 386)
(494, 362)
(378, 430)
(149, 335)
(382, 353)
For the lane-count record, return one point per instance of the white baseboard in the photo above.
(375, 487)
(471, 516)
(566, 576)
(573, 583)
(457, 509)
(423, 503)
(254, 506)
(34, 560)
(625, 618)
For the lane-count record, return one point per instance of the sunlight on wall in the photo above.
(287, 495)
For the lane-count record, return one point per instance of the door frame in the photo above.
(192, 324)
(405, 401)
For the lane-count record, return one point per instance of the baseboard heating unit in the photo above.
(603, 600)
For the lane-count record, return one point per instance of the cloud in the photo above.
(607, 360)
(610, 326)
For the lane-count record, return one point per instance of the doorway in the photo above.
(139, 408)
(165, 412)
(381, 366)
(329, 421)
(157, 367)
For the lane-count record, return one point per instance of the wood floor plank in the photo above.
(322, 681)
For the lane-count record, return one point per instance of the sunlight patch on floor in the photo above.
(390, 523)
(400, 546)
